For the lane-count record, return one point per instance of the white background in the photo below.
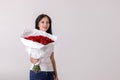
(88, 45)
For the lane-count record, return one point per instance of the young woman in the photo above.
(43, 22)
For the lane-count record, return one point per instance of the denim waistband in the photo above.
(42, 75)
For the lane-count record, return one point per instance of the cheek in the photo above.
(40, 26)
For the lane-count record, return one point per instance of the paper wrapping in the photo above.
(35, 49)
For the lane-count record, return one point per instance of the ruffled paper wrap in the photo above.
(34, 49)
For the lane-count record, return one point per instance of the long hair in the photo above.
(39, 18)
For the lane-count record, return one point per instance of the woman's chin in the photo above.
(44, 30)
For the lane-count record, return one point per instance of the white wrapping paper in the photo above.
(35, 49)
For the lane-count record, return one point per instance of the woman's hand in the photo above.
(34, 61)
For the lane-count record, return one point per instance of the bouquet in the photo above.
(38, 42)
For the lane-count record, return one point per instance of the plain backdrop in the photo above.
(88, 45)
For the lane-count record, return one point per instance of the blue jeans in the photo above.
(41, 75)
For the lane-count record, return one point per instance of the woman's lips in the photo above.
(45, 27)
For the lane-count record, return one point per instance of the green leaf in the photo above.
(36, 68)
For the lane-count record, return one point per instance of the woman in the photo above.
(43, 22)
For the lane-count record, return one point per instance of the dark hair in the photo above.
(38, 19)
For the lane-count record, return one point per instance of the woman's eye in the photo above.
(42, 22)
(47, 22)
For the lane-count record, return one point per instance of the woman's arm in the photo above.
(54, 66)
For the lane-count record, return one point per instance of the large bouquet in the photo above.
(37, 43)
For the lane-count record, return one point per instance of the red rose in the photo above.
(40, 39)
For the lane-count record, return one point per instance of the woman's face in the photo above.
(44, 24)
